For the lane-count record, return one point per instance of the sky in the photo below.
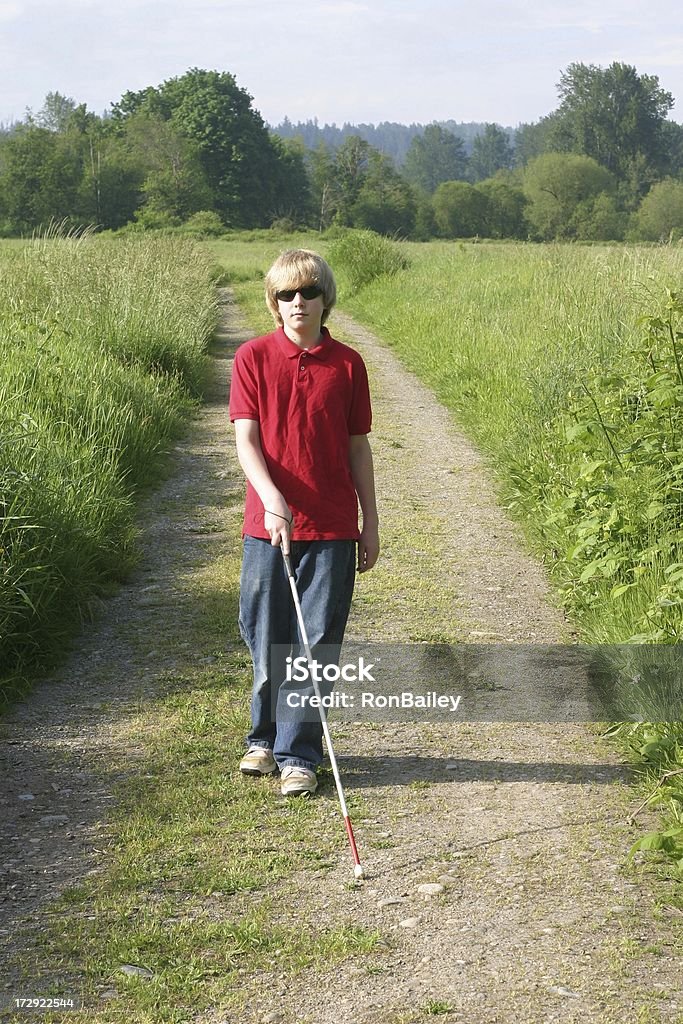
(362, 61)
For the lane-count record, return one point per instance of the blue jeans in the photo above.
(325, 572)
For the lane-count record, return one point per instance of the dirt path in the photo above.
(521, 828)
(428, 472)
(533, 915)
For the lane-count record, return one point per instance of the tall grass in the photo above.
(566, 365)
(361, 257)
(101, 356)
(514, 340)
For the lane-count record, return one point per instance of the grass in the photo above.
(187, 890)
(437, 1007)
(508, 344)
(193, 881)
(102, 358)
(540, 357)
(563, 364)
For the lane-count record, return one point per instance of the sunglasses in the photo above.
(311, 291)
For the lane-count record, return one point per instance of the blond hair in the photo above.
(297, 268)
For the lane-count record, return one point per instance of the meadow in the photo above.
(559, 361)
(565, 364)
(562, 362)
(102, 357)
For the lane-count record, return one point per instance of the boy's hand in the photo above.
(278, 522)
(368, 548)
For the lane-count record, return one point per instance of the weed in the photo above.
(436, 1007)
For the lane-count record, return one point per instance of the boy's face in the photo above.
(301, 314)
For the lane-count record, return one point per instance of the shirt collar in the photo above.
(289, 349)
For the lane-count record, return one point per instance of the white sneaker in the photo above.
(258, 761)
(296, 781)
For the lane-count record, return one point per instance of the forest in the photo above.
(194, 154)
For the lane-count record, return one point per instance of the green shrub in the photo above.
(363, 256)
(283, 226)
(660, 216)
(203, 224)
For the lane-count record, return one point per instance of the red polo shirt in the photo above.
(308, 402)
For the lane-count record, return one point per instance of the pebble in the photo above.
(431, 888)
(133, 971)
(26, 796)
(409, 922)
(560, 990)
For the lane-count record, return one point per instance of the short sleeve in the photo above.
(360, 414)
(244, 392)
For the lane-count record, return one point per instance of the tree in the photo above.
(112, 177)
(425, 225)
(672, 138)
(72, 166)
(434, 157)
(56, 112)
(599, 219)
(491, 152)
(615, 116)
(240, 162)
(386, 203)
(506, 205)
(40, 179)
(460, 210)
(350, 167)
(660, 217)
(320, 171)
(290, 185)
(555, 184)
(174, 182)
(533, 140)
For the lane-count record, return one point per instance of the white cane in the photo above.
(357, 868)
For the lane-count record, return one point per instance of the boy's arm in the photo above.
(362, 473)
(278, 517)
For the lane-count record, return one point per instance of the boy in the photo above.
(301, 408)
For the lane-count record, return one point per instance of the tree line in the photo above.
(389, 137)
(606, 164)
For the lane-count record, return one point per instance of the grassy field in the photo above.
(101, 359)
(505, 335)
(540, 352)
(565, 365)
